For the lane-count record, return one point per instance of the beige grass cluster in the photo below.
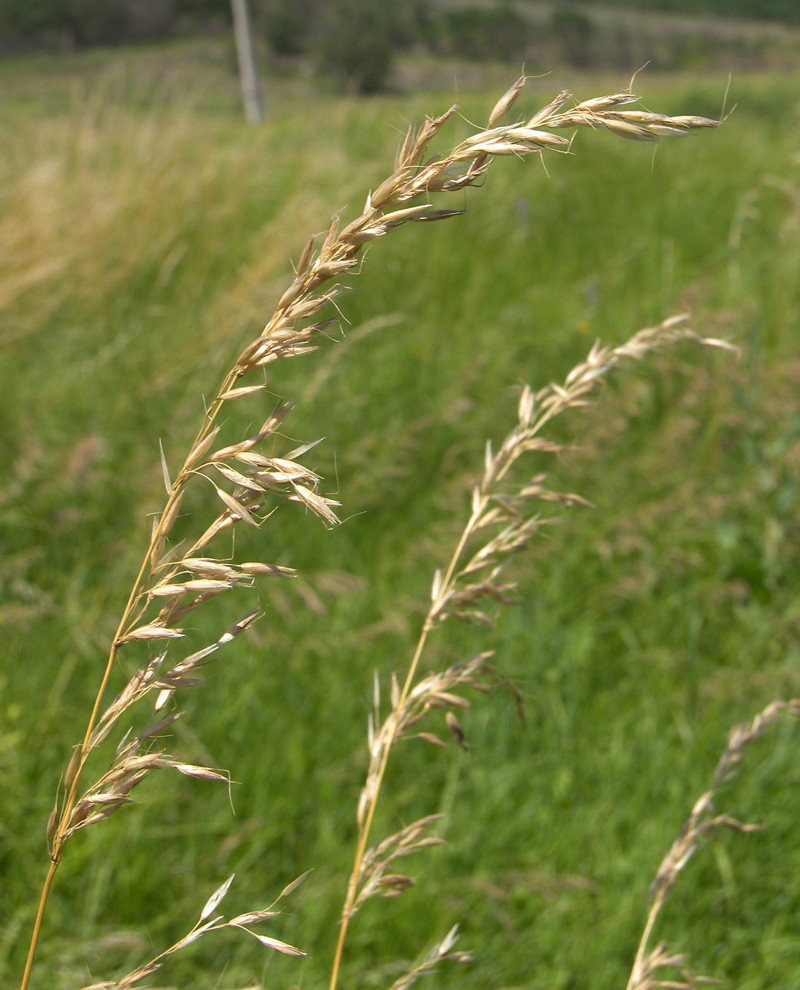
(702, 823)
(504, 518)
(246, 484)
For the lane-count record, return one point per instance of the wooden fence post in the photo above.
(247, 62)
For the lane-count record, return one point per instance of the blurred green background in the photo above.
(146, 234)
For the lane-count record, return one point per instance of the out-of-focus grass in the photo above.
(146, 231)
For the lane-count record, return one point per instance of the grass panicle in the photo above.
(247, 480)
(702, 824)
(503, 520)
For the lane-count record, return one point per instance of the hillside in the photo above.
(148, 233)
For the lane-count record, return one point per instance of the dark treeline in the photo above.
(72, 24)
(787, 11)
(355, 40)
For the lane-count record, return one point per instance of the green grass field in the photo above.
(146, 234)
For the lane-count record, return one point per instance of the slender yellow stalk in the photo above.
(60, 835)
(363, 839)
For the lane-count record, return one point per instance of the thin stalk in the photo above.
(60, 836)
(352, 887)
(37, 927)
(634, 980)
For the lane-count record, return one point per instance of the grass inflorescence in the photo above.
(238, 475)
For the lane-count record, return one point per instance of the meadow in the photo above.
(146, 235)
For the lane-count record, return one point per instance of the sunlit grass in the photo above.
(145, 238)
